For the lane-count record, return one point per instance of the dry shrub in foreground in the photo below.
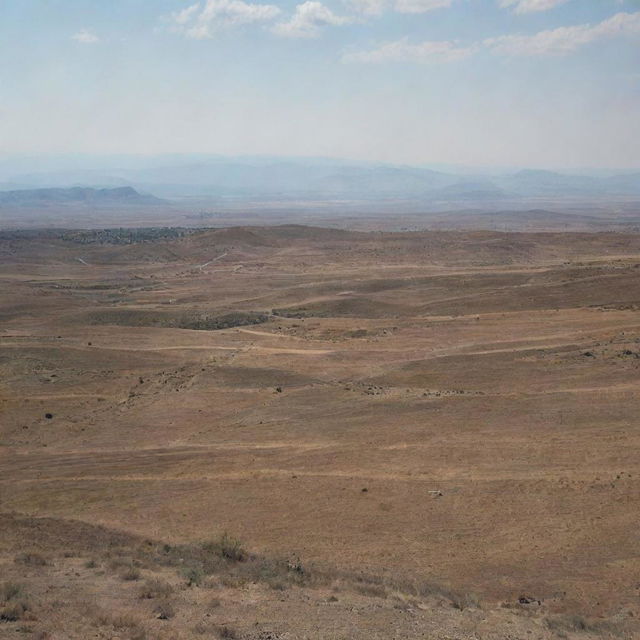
(227, 547)
(31, 559)
(123, 623)
(575, 623)
(164, 610)
(371, 590)
(13, 602)
(234, 567)
(155, 588)
(130, 574)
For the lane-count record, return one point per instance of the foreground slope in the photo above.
(451, 407)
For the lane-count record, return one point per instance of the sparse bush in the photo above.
(227, 633)
(24, 628)
(126, 236)
(278, 585)
(11, 591)
(278, 574)
(227, 547)
(164, 610)
(155, 588)
(118, 621)
(119, 563)
(205, 627)
(13, 602)
(233, 581)
(124, 622)
(193, 575)
(424, 589)
(130, 574)
(273, 573)
(569, 623)
(464, 601)
(90, 564)
(563, 624)
(198, 321)
(31, 559)
(371, 590)
(13, 611)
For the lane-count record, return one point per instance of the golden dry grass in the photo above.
(456, 408)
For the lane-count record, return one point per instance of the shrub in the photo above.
(193, 575)
(371, 590)
(206, 627)
(164, 610)
(155, 588)
(118, 563)
(31, 559)
(124, 622)
(464, 601)
(11, 591)
(131, 573)
(227, 547)
(14, 602)
(227, 633)
(568, 623)
(13, 611)
(278, 574)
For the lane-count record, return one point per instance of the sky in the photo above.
(528, 83)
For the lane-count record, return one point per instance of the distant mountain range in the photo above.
(549, 183)
(75, 195)
(117, 180)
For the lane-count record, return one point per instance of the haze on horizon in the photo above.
(536, 83)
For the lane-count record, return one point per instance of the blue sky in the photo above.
(538, 83)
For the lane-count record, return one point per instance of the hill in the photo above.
(432, 432)
(76, 195)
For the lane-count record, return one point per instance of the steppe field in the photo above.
(294, 432)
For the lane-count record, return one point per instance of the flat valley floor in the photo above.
(441, 427)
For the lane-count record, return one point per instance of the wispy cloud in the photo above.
(368, 7)
(403, 51)
(558, 41)
(377, 7)
(308, 19)
(84, 36)
(186, 15)
(529, 6)
(420, 6)
(565, 39)
(202, 21)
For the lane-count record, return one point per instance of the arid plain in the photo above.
(413, 435)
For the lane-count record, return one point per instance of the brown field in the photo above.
(408, 432)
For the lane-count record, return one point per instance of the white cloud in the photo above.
(529, 6)
(308, 19)
(403, 51)
(202, 22)
(368, 7)
(377, 7)
(84, 36)
(185, 16)
(565, 39)
(420, 6)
